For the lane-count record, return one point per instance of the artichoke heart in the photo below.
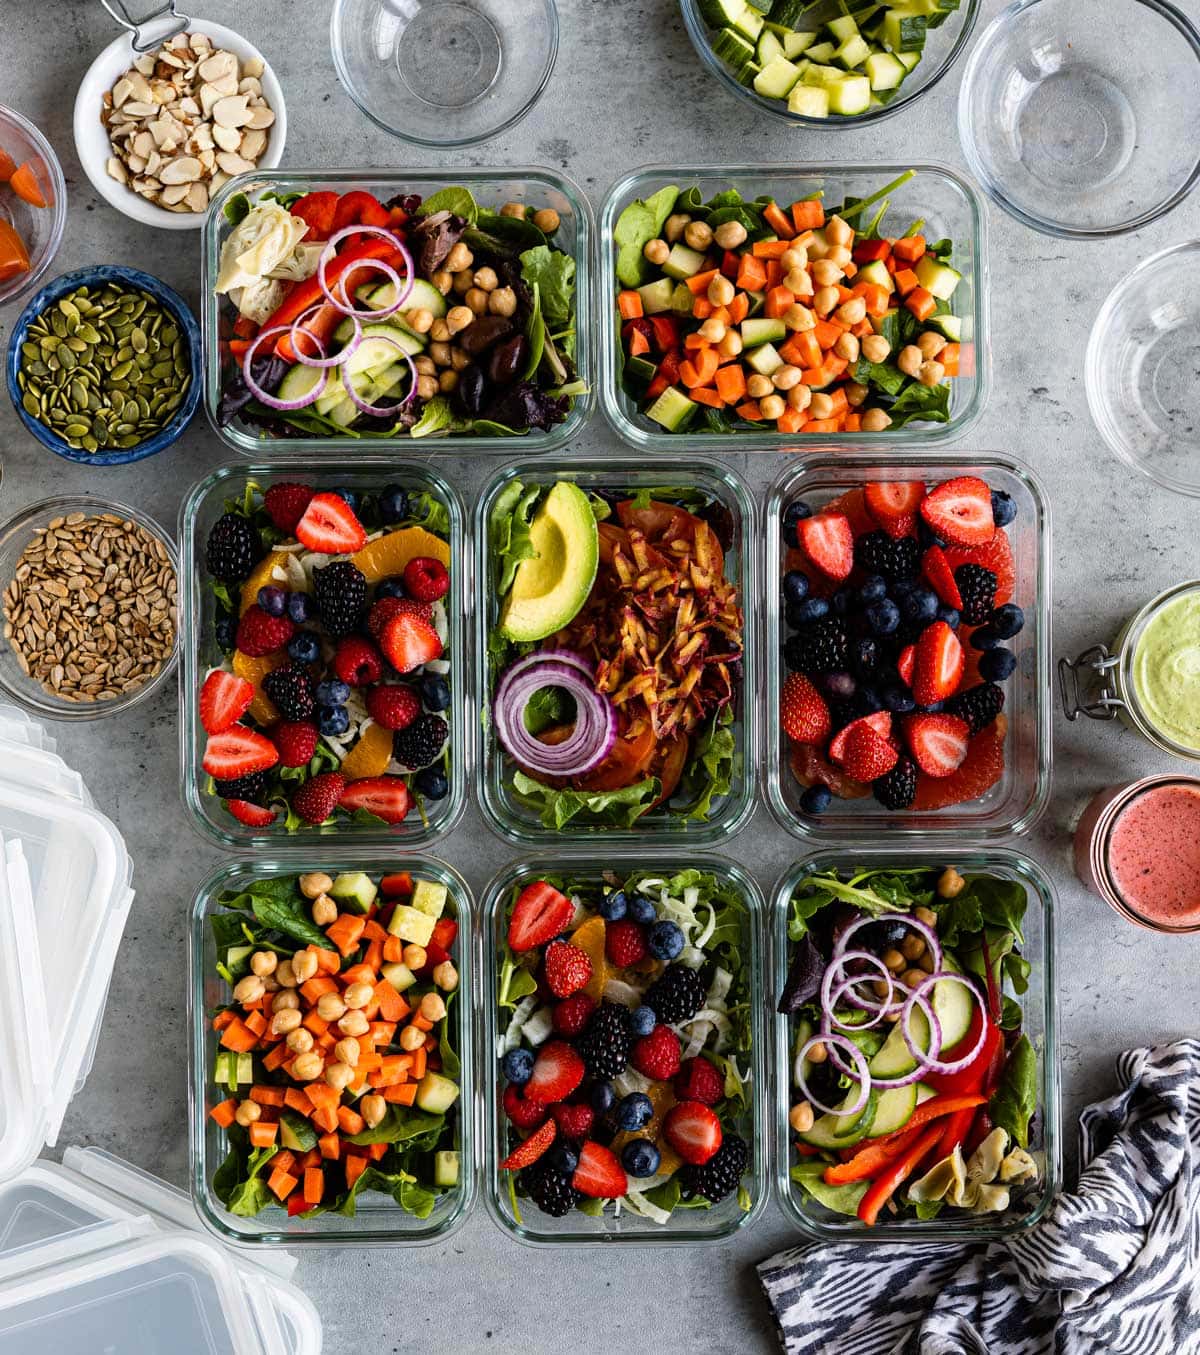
(986, 1159)
(945, 1180)
(1017, 1168)
(989, 1199)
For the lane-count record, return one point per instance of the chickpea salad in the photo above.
(737, 315)
(914, 1087)
(351, 317)
(336, 1071)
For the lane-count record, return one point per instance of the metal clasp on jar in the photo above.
(147, 44)
(1087, 684)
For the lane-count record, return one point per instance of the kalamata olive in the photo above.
(471, 388)
(508, 359)
(481, 334)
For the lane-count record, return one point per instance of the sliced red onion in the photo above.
(540, 656)
(382, 411)
(883, 1083)
(932, 1062)
(862, 1072)
(836, 996)
(927, 933)
(300, 336)
(342, 301)
(831, 975)
(265, 397)
(590, 741)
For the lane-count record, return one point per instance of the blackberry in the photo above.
(341, 593)
(819, 648)
(233, 548)
(977, 586)
(549, 1189)
(252, 788)
(898, 789)
(421, 742)
(978, 705)
(604, 1044)
(677, 994)
(878, 553)
(722, 1173)
(291, 691)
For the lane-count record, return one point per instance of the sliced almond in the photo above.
(173, 193)
(233, 164)
(189, 106)
(116, 170)
(143, 144)
(121, 91)
(227, 84)
(144, 64)
(141, 86)
(136, 163)
(208, 158)
(210, 96)
(221, 63)
(171, 59)
(261, 117)
(249, 85)
(202, 138)
(135, 108)
(231, 112)
(228, 138)
(218, 181)
(183, 169)
(153, 162)
(197, 198)
(254, 67)
(253, 144)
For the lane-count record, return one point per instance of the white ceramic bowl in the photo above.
(91, 138)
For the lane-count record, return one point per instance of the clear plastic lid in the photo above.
(18, 725)
(23, 1020)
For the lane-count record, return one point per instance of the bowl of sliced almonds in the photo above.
(158, 132)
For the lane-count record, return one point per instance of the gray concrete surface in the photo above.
(627, 90)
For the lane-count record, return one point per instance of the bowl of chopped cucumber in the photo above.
(829, 63)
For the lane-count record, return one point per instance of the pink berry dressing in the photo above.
(1154, 855)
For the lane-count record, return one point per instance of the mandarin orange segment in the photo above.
(589, 937)
(260, 576)
(662, 1098)
(370, 755)
(262, 708)
(386, 556)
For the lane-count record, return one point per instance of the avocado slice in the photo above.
(549, 589)
(354, 891)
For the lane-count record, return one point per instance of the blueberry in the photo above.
(883, 617)
(843, 599)
(393, 504)
(868, 700)
(664, 941)
(795, 586)
(435, 691)
(226, 632)
(272, 600)
(613, 906)
(898, 701)
(517, 1066)
(635, 1111)
(949, 615)
(304, 647)
(431, 782)
(934, 708)
(816, 799)
(997, 665)
(841, 686)
(874, 590)
(920, 605)
(899, 588)
(641, 909)
(810, 610)
(1004, 510)
(864, 656)
(332, 720)
(299, 607)
(562, 1157)
(603, 1097)
(1007, 620)
(332, 693)
(642, 1020)
(390, 588)
(795, 512)
(640, 1158)
(984, 637)
(349, 496)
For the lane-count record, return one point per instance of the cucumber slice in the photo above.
(682, 300)
(809, 101)
(895, 1109)
(721, 13)
(841, 1131)
(755, 332)
(954, 1006)
(299, 381)
(672, 410)
(949, 325)
(794, 44)
(769, 47)
(884, 71)
(656, 296)
(937, 277)
(895, 1059)
(788, 13)
(776, 79)
(764, 359)
(925, 1093)
(850, 96)
(683, 263)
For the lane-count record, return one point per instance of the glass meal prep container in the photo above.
(521, 1216)
(1015, 802)
(949, 208)
(378, 1219)
(534, 186)
(199, 612)
(520, 823)
(1039, 1023)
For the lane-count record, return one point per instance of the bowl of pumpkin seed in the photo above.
(104, 365)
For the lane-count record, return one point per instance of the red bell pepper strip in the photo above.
(308, 293)
(317, 211)
(321, 325)
(935, 1109)
(359, 208)
(885, 1185)
(973, 1077)
(958, 1126)
(870, 1161)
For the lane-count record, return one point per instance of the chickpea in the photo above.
(427, 387)
(358, 995)
(324, 911)
(853, 312)
(443, 280)
(892, 1016)
(799, 318)
(264, 963)
(876, 420)
(439, 351)
(930, 344)
(414, 956)
(785, 377)
(926, 915)
(330, 1007)
(425, 366)
(856, 394)
(912, 947)
(713, 330)
(248, 1113)
(801, 1117)
(911, 977)
(249, 989)
(909, 360)
(675, 227)
(825, 301)
(459, 259)
(826, 273)
(931, 374)
(304, 965)
(799, 398)
(284, 1022)
(881, 989)
(476, 301)
(314, 885)
(926, 961)
(847, 347)
(795, 256)
(893, 960)
(448, 381)
(838, 232)
(286, 1000)
(439, 332)
(876, 348)
(487, 278)
(460, 359)
(839, 255)
(271, 984)
(445, 976)
(503, 301)
(656, 252)
(950, 884)
(730, 346)
(720, 290)
(285, 975)
(547, 220)
(411, 1038)
(308, 1067)
(459, 317)
(347, 1051)
(697, 235)
(372, 1108)
(433, 1007)
(798, 282)
(822, 406)
(514, 209)
(758, 385)
(300, 1041)
(816, 246)
(818, 1053)
(772, 407)
(730, 235)
(354, 1024)
(339, 1076)
(462, 283)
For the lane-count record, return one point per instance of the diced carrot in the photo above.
(296, 1098)
(315, 988)
(420, 1022)
(921, 303)
(310, 1159)
(238, 1037)
(418, 1064)
(702, 307)
(374, 932)
(314, 1185)
(376, 1150)
(770, 249)
(750, 412)
(693, 343)
(730, 264)
(821, 426)
(638, 344)
(223, 1019)
(383, 1032)
(277, 1057)
(698, 282)
(838, 399)
(282, 1183)
(782, 225)
(719, 313)
(402, 1095)
(393, 950)
(774, 273)
(356, 1164)
(350, 1121)
(358, 973)
(701, 369)
(851, 269)
(802, 349)
(790, 421)
(752, 276)
(852, 423)
(284, 1160)
(844, 293)
(392, 1007)
(346, 932)
(330, 1147)
(327, 1040)
(808, 216)
(321, 1094)
(906, 281)
(630, 305)
(731, 383)
(705, 395)
(828, 332)
(267, 1096)
(950, 358)
(373, 956)
(324, 1118)
(263, 1135)
(739, 308)
(910, 250)
(328, 961)
(368, 1063)
(315, 1022)
(779, 301)
(224, 1112)
(256, 1022)
(862, 329)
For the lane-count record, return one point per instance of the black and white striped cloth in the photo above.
(1112, 1269)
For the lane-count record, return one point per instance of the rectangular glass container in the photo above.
(534, 186)
(378, 1219)
(503, 811)
(1039, 1005)
(687, 1227)
(1014, 804)
(203, 505)
(949, 206)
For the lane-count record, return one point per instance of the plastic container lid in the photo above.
(24, 1061)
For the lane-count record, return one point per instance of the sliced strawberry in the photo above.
(853, 505)
(525, 1114)
(527, 1153)
(408, 642)
(253, 816)
(939, 665)
(693, 1130)
(940, 576)
(557, 1071)
(538, 916)
(803, 714)
(810, 768)
(224, 699)
(938, 742)
(238, 752)
(330, 527)
(599, 1174)
(828, 542)
(906, 664)
(995, 555)
(981, 769)
(893, 505)
(880, 722)
(387, 797)
(960, 511)
(868, 755)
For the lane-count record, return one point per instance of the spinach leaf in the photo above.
(1015, 1099)
(872, 891)
(237, 209)
(490, 428)
(277, 904)
(553, 274)
(503, 235)
(456, 200)
(403, 1187)
(930, 404)
(614, 808)
(548, 706)
(809, 1176)
(414, 1128)
(882, 376)
(710, 767)
(669, 1196)
(509, 529)
(729, 198)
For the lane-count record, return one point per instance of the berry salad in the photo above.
(915, 1089)
(901, 637)
(329, 696)
(623, 1032)
(337, 1061)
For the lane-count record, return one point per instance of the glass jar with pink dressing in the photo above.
(1138, 847)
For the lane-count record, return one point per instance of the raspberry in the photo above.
(341, 592)
(524, 1114)
(624, 943)
(419, 744)
(291, 691)
(699, 1080)
(657, 1055)
(286, 504)
(572, 1013)
(386, 608)
(426, 580)
(574, 1121)
(316, 799)
(296, 741)
(232, 549)
(259, 633)
(394, 707)
(357, 661)
(568, 968)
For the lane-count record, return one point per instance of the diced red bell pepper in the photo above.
(308, 293)
(667, 375)
(867, 251)
(297, 1204)
(317, 211)
(639, 325)
(730, 265)
(666, 332)
(359, 208)
(399, 883)
(445, 932)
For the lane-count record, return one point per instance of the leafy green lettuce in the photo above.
(553, 273)
(710, 768)
(1015, 1099)
(639, 223)
(455, 199)
(809, 1176)
(872, 891)
(612, 808)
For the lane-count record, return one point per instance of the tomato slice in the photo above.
(628, 763)
(14, 257)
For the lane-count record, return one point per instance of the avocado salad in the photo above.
(614, 661)
(337, 1064)
(623, 1032)
(740, 316)
(914, 1087)
(461, 318)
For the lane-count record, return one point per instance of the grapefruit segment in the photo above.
(995, 555)
(981, 769)
(809, 768)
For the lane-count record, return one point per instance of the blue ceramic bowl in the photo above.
(97, 277)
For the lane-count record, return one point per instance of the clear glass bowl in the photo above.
(492, 188)
(688, 1227)
(15, 535)
(198, 608)
(444, 72)
(1014, 804)
(1039, 1005)
(950, 208)
(378, 1220)
(40, 228)
(943, 48)
(1084, 123)
(503, 811)
(1141, 366)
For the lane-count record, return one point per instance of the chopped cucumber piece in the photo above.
(904, 32)
(295, 1132)
(683, 262)
(850, 96)
(731, 47)
(656, 296)
(937, 277)
(876, 273)
(748, 74)
(776, 79)
(769, 47)
(809, 101)
(824, 76)
(789, 13)
(884, 71)
(755, 332)
(843, 28)
(682, 300)
(909, 60)
(721, 13)
(445, 1169)
(672, 410)
(949, 325)
(796, 43)
(822, 51)
(853, 52)
(765, 358)
(749, 23)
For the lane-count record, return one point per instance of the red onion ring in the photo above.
(403, 291)
(300, 336)
(836, 995)
(540, 656)
(927, 933)
(883, 1083)
(264, 397)
(861, 1070)
(589, 743)
(932, 1062)
(382, 411)
(829, 1002)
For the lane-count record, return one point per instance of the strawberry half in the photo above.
(995, 555)
(224, 699)
(981, 769)
(906, 664)
(868, 755)
(893, 504)
(408, 642)
(568, 968)
(939, 665)
(938, 742)
(880, 722)
(803, 714)
(330, 527)
(599, 1174)
(524, 1114)
(828, 541)
(527, 1153)
(557, 1071)
(253, 816)
(693, 1130)
(960, 511)
(538, 916)
(940, 577)
(387, 797)
(238, 752)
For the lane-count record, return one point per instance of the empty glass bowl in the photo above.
(444, 72)
(1084, 121)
